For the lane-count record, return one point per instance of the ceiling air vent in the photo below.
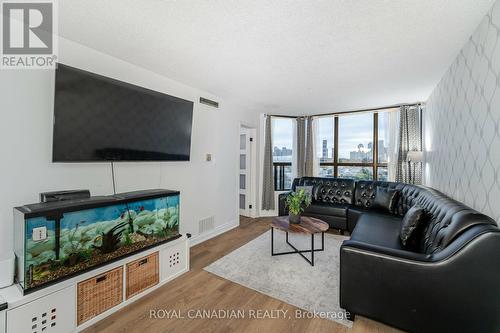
(209, 102)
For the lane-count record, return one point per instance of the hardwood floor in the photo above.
(200, 290)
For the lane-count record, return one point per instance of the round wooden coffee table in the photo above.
(307, 225)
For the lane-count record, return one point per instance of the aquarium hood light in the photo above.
(64, 195)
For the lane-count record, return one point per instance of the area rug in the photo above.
(289, 278)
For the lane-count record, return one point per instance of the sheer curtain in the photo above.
(392, 158)
(409, 139)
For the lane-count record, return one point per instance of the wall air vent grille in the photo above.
(209, 102)
(206, 224)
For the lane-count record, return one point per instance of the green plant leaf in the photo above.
(298, 201)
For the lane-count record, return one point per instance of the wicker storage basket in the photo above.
(142, 274)
(98, 294)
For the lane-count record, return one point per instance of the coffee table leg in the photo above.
(312, 249)
(272, 241)
(297, 251)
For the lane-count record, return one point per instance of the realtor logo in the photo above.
(28, 34)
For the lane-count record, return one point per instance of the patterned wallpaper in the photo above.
(462, 121)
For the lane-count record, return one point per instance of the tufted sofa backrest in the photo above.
(447, 217)
(330, 190)
(364, 193)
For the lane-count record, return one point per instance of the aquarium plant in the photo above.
(111, 239)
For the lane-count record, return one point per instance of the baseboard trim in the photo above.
(200, 238)
(268, 213)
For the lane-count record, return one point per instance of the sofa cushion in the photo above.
(385, 199)
(378, 229)
(412, 220)
(322, 208)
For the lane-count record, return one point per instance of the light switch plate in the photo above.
(39, 233)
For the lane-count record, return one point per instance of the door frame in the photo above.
(251, 190)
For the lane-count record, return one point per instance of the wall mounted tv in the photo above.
(97, 118)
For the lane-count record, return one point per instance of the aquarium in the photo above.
(60, 239)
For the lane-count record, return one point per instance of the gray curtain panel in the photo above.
(268, 182)
(301, 146)
(309, 164)
(410, 139)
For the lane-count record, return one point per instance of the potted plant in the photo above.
(296, 203)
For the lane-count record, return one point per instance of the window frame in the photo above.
(280, 166)
(375, 164)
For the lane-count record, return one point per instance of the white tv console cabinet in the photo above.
(54, 308)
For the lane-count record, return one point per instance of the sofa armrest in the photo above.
(352, 245)
(416, 292)
(282, 208)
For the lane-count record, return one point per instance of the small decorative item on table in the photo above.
(296, 203)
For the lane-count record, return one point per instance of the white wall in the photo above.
(462, 123)
(26, 104)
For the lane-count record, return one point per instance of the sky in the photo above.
(354, 129)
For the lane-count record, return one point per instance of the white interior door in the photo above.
(245, 172)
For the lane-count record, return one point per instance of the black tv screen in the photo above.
(97, 118)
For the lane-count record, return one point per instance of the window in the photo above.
(355, 138)
(282, 132)
(382, 174)
(383, 137)
(325, 145)
(345, 145)
(385, 120)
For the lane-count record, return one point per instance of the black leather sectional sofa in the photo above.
(448, 280)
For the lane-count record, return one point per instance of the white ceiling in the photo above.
(284, 56)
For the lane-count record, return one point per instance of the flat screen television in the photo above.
(97, 118)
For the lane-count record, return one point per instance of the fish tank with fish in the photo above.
(58, 240)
